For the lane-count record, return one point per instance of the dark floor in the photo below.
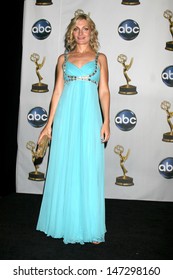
(136, 230)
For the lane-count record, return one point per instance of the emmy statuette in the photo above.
(38, 87)
(43, 2)
(37, 157)
(168, 136)
(126, 89)
(130, 2)
(123, 180)
(168, 15)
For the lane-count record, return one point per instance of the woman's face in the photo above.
(82, 32)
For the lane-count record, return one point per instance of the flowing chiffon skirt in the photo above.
(73, 203)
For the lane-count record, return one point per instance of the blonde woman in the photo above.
(73, 203)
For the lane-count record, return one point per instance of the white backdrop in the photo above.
(147, 150)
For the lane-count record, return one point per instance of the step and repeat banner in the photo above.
(137, 38)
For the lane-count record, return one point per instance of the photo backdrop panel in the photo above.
(140, 118)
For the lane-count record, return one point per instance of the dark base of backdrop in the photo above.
(136, 230)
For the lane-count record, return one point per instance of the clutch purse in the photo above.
(42, 147)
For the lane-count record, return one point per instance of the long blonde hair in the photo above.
(70, 42)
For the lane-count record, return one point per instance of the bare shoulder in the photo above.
(60, 59)
(102, 59)
(102, 56)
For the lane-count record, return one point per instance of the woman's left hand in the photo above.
(105, 132)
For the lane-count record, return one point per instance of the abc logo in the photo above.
(37, 117)
(166, 168)
(128, 29)
(41, 29)
(167, 76)
(125, 120)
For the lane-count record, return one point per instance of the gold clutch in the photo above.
(42, 147)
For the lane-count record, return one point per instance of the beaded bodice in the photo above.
(88, 72)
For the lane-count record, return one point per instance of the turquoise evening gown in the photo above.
(73, 203)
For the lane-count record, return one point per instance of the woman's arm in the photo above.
(59, 84)
(104, 95)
